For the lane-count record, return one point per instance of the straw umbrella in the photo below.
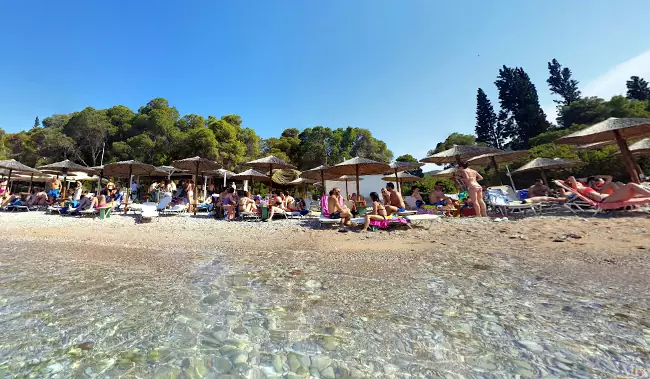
(641, 147)
(302, 181)
(252, 175)
(13, 165)
(403, 166)
(346, 178)
(270, 163)
(618, 129)
(129, 168)
(402, 177)
(359, 166)
(63, 168)
(498, 157)
(543, 164)
(196, 164)
(458, 153)
(319, 174)
(221, 173)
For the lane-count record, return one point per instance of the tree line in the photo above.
(157, 134)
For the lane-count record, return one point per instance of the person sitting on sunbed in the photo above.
(415, 193)
(378, 211)
(538, 189)
(604, 184)
(8, 199)
(336, 210)
(385, 196)
(246, 204)
(621, 194)
(32, 197)
(276, 205)
(229, 203)
(3, 187)
(396, 202)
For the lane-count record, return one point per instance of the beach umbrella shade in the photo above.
(543, 164)
(129, 168)
(595, 145)
(403, 166)
(196, 165)
(12, 165)
(402, 177)
(302, 181)
(221, 173)
(498, 157)
(359, 166)
(269, 163)
(639, 147)
(458, 153)
(319, 174)
(252, 175)
(346, 178)
(616, 129)
(63, 168)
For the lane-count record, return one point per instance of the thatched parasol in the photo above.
(129, 168)
(64, 167)
(458, 153)
(641, 147)
(446, 173)
(196, 165)
(359, 166)
(403, 166)
(302, 182)
(543, 164)
(252, 175)
(618, 129)
(268, 164)
(595, 145)
(13, 165)
(402, 177)
(320, 174)
(221, 173)
(346, 178)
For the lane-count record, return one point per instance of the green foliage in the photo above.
(37, 123)
(561, 83)
(451, 140)
(521, 115)
(591, 110)
(3, 149)
(427, 183)
(637, 89)
(554, 134)
(231, 150)
(488, 129)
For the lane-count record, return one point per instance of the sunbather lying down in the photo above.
(619, 193)
(545, 199)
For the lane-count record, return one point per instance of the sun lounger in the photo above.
(329, 221)
(406, 213)
(505, 199)
(596, 206)
(88, 212)
(175, 210)
(249, 216)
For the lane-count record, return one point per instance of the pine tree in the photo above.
(637, 89)
(521, 115)
(561, 83)
(37, 123)
(487, 128)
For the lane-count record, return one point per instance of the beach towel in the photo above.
(323, 206)
(383, 224)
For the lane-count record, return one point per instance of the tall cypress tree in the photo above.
(487, 128)
(561, 84)
(37, 122)
(637, 89)
(521, 115)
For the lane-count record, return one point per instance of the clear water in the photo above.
(67, 319)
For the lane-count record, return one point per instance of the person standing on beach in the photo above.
(470, 178)
(55, 188)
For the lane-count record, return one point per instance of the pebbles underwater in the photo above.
(458, 319)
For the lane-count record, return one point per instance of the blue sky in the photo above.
(406, 70)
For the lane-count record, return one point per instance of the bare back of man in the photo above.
(336, 211)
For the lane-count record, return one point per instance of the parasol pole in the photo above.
(205, 187)
(458, 161)
(196, 178)
(271, 177)
(399, 186)
(510, 176)
(65, 178)
(347, 193)
(628, 157)
(31, 182)
(322, 181)
(544, 176)
(9, 182)
(496, 168)
(358, 192)
(128, 191)
(224, 180)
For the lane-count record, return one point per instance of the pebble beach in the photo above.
(192, 297)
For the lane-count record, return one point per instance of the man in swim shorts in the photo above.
(397, 204)
(55, 188)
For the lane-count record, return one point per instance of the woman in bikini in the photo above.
(189, 194)
(470, 178)
(378, 211)
(621, 194)
(246, 204)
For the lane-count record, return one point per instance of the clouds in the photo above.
(612, 82)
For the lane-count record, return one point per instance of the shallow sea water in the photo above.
(72, 319)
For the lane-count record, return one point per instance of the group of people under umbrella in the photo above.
(612, 130)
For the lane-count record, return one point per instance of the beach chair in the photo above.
(175, 210)
(88, 212)
(597, 207)
(324, 218)
(505, 199)
(423, 219)
(163, 204)
(384, 224)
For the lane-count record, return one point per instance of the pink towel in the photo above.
(323, 206)
(383, 224)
